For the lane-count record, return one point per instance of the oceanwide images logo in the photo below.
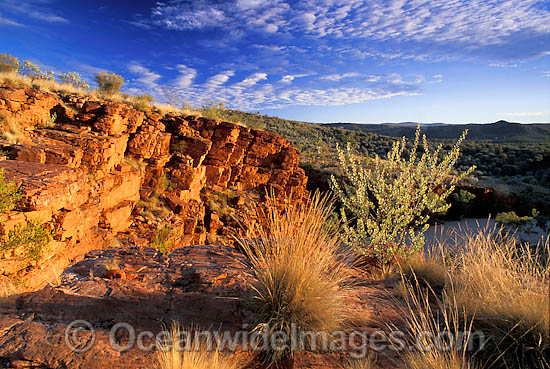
(80, 336)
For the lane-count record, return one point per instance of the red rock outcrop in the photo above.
(84, 165)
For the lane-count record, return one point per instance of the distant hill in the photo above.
(501, 131)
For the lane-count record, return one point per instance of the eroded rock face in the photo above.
(96, 170)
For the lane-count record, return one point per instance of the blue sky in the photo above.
(371, 61)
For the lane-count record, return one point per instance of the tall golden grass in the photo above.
(500, 287)
(173, 356)
(299, 280)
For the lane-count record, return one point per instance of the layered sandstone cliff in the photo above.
(99, 172)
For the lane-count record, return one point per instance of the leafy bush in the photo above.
(108, 83)
(33, 237)
(9, 63)
(164, 239)
(299, 282)
(512, 219)
(9, 194)
(142, 101)
(73, 78)
(391, 200)
(33, 71)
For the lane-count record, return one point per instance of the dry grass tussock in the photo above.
(174, 354)
(294, 255)
(11, 130)
(16, 80)
(437, 328)
(500, 287)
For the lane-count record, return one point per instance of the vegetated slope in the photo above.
(510, 157)
(502, 131)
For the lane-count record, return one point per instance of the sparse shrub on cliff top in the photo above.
(386, 203)
(299, 281)
(74, 79)
(33, 71)
(143, 101)
(108, 83)
(9, 63)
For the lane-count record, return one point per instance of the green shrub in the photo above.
(34, 237)
(9, 63)
(108, 83)
(9, 194)
(73, 78)
(512, 219)
(33, 71)
(391, 200)
(142, 102)
(164, 240)
(213, 110)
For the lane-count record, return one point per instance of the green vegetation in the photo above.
(33, 71)
(390, 201)
(164, 240)
(74, 79)
(9, 63)
(108, 83)
(143, 101)
(33, 236)
(9, 194)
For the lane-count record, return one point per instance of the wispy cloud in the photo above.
(145, 76)
(528, 114)
(186, 77)
(36, 9)
(424, 26)
(338, 77)
(9, 22)
(256, 91)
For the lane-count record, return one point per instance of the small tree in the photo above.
(73, 78)
(9, 63)
(109, 83)
(390, 201)
(142, 101)
(33, 71)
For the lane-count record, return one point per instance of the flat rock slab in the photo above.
(196, 285)
(199, 286)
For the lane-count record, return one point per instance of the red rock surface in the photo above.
(85, 173)
(200, 286)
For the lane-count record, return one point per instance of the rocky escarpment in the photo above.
(99, 172)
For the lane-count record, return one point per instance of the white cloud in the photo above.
(37, 9)
(219, 79)
(291, 77)
(251, 80)
(146, 77)
(338, 77)
(428, 27)
(186, 77)
(9, 22)
(528, 114)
